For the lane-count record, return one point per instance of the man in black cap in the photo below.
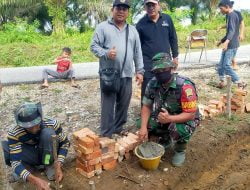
(157, 34)
(30, 144)
(230, 44)
(117, 45)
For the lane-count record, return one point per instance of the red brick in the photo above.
(134, 136)
(116, 156)
(121, 150)
(88, 175)
(84, 167)
(215, 102)
(107, 158)
(95, 138)
(241, 92)
(82, 133)
(85, 150)
(111, 148)
(98, 166)
(117, 147)
(92, 155)
(86, 142)
(94, 161)
(110, 165)
(96, 148)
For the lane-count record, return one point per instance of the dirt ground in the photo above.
(218, 155)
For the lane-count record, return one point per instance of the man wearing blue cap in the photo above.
(30, 144)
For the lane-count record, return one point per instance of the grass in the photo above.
(28, 48)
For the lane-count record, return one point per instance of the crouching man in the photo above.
(169, 107)
(30, 144)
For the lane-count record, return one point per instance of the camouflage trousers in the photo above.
(176, 132)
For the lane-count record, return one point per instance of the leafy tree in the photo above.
(56, 9)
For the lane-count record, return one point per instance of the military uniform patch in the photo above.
(189, 92)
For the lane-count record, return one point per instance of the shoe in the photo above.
(242, 85)
(221, 85)
(179, 159)
(50, 172)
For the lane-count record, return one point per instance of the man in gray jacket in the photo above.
(109, 45)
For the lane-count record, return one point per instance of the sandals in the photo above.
(43, 87)
(76, 86)
(242, 85)
(221, 85)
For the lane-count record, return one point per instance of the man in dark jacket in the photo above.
(157, 34)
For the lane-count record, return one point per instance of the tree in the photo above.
(56, 8)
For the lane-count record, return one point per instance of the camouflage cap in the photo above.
(28, 115)
(162, 61)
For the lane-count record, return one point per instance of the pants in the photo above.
(178, 132)
(224, 66)
(58, 75)
(35, 155)
(114, 108)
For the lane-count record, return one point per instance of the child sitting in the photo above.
(64, 69)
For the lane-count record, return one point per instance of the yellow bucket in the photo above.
(150, 163)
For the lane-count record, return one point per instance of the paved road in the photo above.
(90, 70)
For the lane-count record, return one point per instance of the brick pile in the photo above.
(95, 154)
(215, 107)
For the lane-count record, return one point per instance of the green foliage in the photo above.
(21, 45)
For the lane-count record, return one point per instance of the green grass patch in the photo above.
(21, 44)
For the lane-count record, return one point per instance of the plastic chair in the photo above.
(197, 40)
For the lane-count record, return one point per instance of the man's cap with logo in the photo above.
(162, 61)
(28, 115)
(151, 1)
(121, 2)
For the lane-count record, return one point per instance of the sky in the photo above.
(241, 4)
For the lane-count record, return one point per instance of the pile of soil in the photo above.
(218, 155)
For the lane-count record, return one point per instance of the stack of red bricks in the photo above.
(88, 152)
(215, 107)
(238, 102)
(126, 145)
(93, 154)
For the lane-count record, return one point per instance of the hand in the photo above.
(112, 53)
(143, 133)
(241, 37)
(224, 46)
(164, 117)
(139, 79)
(58, 171)
(41, 184)
(176, 62)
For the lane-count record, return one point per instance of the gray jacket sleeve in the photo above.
(97, 45)
(138, 54)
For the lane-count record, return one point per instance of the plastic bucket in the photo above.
(150, 163)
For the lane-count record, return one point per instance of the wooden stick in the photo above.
(128, 178)
(229, 96)
(54, 141)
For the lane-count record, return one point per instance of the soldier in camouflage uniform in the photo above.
(30, 144)
(169, 107)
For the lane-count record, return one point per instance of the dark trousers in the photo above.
(35, 155)
(114, 108)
